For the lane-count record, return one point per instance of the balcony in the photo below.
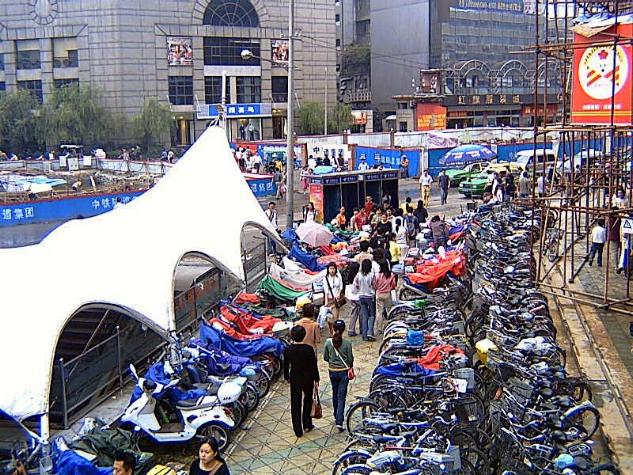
(280, 97)
(362, 95)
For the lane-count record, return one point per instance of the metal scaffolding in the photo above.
(594, 162)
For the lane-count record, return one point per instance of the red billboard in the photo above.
(602, 73)
(430, 117)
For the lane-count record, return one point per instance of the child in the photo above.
(394, 250)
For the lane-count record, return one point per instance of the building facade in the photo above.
(478, 49)
(177, 51)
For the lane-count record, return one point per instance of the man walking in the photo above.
(524, 185)
(271, 214)
(425, 188)
(444, 182)
(598, 238)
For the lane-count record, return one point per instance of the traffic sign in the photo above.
(627, 226)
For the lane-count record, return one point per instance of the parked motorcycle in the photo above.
(163, 421)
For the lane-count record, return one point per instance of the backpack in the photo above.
(410, 223)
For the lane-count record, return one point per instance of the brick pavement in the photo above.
(268, 445)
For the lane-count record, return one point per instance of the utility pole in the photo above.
(325, 118)
(290, 160)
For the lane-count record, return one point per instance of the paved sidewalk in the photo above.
(269, 446)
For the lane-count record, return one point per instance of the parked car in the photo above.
(580, 159)
(542, 158)
(457, 175)
(475, 185)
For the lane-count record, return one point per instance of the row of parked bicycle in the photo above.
(471, 379)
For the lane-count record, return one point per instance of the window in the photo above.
(402, 126)
(3, 88)
(280, 89)
(231, 13)
(403, 105)
(35, 87)
(249, 90)
(181, 90)
(1, 62)
(28, 60)
(337, 18)
(213, 90)
(220, 51)
(59, 83)
(65, 54)
(338, 43)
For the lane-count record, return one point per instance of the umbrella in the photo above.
(466, 154)
(39, 187)
(314, 234)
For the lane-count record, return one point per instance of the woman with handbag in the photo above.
(301, 370)
(333, 289)
(340, 357)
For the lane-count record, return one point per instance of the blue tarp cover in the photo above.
(236, 347)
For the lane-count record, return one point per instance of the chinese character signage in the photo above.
(207, 111)
(602, 80)
(316, 198)
(507, 6)
(280, 52)
(430, 116)
(179, 51)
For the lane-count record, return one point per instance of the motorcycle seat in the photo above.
(193, 403)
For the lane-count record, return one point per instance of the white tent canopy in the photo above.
(126, 257)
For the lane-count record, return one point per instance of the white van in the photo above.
(527, 159)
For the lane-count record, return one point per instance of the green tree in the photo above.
(18, 119)
(310, 119)
(340, 118)
(153, 125)
(356, 60)
(75, 114)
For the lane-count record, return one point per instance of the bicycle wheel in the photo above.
(356, 469)
(348, 459)
(357, 413)
(587, 417)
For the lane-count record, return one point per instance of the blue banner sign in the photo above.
(209, 111)
(262, 187)
(388, 158)
(61, 209)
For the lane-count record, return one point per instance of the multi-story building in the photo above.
(176, 51)
(478, 48)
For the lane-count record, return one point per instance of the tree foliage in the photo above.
(153, 125)
(310, 119)
(75, 114)
(340, 118)
(18, 119)
(356, 60)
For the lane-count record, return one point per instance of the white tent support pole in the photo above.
(44, 427)
(290, 161)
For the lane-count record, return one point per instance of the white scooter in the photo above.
(203, 417)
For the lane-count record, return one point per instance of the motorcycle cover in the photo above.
(246, 321)
(241, 348)
(69, 463)
(409, 367)
(303, 257)
(432, 271)
(156, 373)
(245, 297)
(220, 362)
(278, 290)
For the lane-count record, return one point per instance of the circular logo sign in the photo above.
(43, 12)
(596, 72)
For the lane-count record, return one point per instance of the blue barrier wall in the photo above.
(389, 158)
(61, 209)
(262, 187)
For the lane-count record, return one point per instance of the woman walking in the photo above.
(352, 297)
(209, 461)
(340, 357)
(300, 369)
(365, 286)
(333, 290)
(385, 283)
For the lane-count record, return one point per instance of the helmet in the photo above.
(339, 326)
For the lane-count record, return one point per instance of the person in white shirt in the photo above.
(598, 238)
(333, 290)
(426, 181)
(541, 183)
(271, 214)
(619, 200)
(257, 163)
(362, 166)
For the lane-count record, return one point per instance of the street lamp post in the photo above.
(325, 113)
(290, 161)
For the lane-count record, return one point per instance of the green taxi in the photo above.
(475, 185)
(457, 175)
